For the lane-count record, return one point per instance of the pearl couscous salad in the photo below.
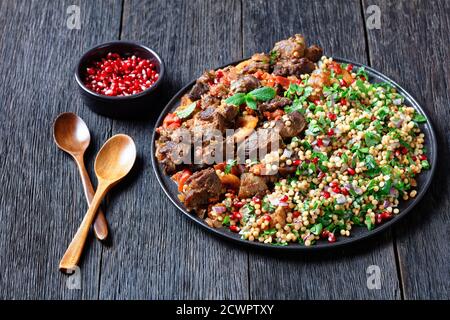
(349, 150)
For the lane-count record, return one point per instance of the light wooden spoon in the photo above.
(113, 162)
(72, 135)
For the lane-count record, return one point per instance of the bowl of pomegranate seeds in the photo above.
(119, 79)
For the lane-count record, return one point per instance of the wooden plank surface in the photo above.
(157, 253)
(413, 47)
(338, 28)
(42, 203)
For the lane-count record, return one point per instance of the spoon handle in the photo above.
(100, 224)
(73, 252)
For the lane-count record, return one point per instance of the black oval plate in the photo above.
(358, 233)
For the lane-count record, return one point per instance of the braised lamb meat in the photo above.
(200, 187)
(201, 86)
(274, 104)
(259, 61)
(245, 84)
(291, 48)
(251, 185)
(294, 124)
(314, 53)
(294, 67)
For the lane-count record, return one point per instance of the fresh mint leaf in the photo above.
(186, 112)
(263, 94)
(418, 118)
(371, 139)
(251, 102)
(236, 100)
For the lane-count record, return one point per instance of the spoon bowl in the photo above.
(116, 158)
(71, 133)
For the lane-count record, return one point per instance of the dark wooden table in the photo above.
(154, 251)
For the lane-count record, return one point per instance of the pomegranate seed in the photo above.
(344, 191)
(320, 142)
(351, 171)
(324, 234)
(332, 116)
(331, 237)
(256, 200)
(317, 101)
(267, 217)
(284, 198)
(386, 215)
(326, 194)
(334, 184)
(315, 160)
(238, 205)
(414, 158)
(343, 102)
(379, 218)
(342, 83)
(295, 214)
(349, 67)
(330, 132)
(403, 150)
(234, 228)
(423, 157)
(336, 190)
(296, 162)
(236, 216)
(321, 175)
(119, 76)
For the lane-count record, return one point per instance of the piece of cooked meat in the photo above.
(251, 185)
(259, 61)
(260, 143)
(245, 84)
(274, 104)
(293, 67)
(314, 53)
(209, 101)
(200, 187)
(169, 154)
(293, 47)
(208, 120)
(297, 124)
(229, 112)
(201, 85)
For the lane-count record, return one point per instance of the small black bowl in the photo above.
(124, 106)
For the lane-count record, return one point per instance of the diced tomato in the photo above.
(336, 67)
(284, 82)
(349, 67)
(277, 114)
(171, 118)
(173, 126)
(181, 177)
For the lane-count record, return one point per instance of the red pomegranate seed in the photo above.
(349, 67)
(334, 184)
(330, 132)
(320, 142)
(296, 162)
(351, 171)
(344, 191)
(236, 216)
(379, 218)
(423, 157)
(315, 160)
(343, 102)
(332, 116)
(284, 198)
(324, 234)
(256, 200)
(326, 194)
(238, 205)
(120, 76)
(295, 214)
(267, 217)
(234, 228)
(331, 237)
(414, 158)
(336, 190)
(403, 150)
(321, 175)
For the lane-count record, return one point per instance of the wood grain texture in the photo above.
(413, 47)
(339, 274)
(158, 253)
(42, 201)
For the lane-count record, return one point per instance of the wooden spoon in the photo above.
(113, 162)
(72, 135)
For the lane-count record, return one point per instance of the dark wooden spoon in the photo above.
(72, 135)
